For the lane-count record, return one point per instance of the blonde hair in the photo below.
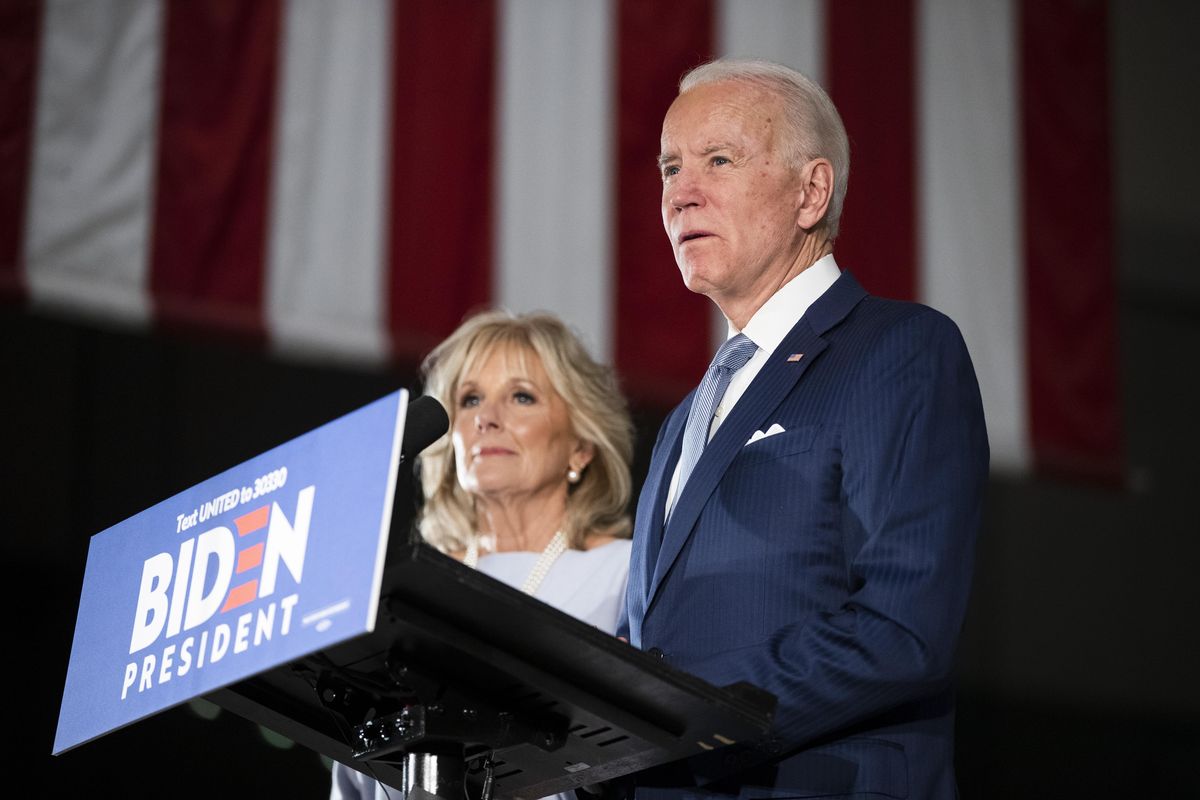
(814, 127)
(598, 503)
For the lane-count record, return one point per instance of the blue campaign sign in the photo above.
(269, 561)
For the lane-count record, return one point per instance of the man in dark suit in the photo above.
(809, 518)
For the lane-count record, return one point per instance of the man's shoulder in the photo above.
(881, 333)
(873, 304)
(884, 314)
(882, 328)
(848, 306)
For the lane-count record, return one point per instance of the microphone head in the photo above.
(424, 422)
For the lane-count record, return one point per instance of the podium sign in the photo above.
(269, 561)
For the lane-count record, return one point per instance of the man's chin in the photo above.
(697, 280)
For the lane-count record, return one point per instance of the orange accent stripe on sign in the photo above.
(249, 523)
(240, 595)
(250, 558)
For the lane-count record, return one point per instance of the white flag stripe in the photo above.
(554, 237)
(325, 281)
(89, 204)
(968, 169)
(790, 32)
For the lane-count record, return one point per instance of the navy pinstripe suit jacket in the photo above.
(829, 564)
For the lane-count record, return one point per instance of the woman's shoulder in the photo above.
(604, 553)
(596, 540)
(598, 570)
(599, 541)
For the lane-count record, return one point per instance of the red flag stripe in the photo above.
(870, 78)
(20, 26)
(662, 330)
(440, 240)
(1068, 213)
(213, 178)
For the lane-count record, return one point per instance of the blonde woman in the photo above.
(532, 484)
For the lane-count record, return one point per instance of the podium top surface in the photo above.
(470, 647)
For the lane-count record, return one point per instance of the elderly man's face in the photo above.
(729, 202)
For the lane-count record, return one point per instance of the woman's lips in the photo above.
(492, 451)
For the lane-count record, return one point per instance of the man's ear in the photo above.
(816, 191)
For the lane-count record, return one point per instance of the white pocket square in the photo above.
(771, 431)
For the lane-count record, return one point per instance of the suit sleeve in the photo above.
(913, 471)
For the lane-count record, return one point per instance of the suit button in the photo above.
(659, 654)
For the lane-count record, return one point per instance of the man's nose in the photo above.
(684, 191)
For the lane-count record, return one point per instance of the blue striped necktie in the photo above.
(732, 356)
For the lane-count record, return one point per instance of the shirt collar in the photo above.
(784, 309)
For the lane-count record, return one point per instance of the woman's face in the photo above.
(512, 435)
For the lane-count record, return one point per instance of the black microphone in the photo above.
(424, 422)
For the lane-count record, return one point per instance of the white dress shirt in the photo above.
(766, 329)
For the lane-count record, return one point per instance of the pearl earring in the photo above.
(572, 476)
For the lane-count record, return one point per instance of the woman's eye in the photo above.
(468, 400)
(524, 398)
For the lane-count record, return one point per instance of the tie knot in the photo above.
(734, 354)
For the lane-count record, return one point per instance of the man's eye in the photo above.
(720, 160)
(670, 171)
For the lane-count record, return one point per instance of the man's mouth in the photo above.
(689, 236)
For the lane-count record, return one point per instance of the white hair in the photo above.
(815, 127)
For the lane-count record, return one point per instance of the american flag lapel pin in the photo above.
(794, 357)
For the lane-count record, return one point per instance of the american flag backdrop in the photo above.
(352, 178)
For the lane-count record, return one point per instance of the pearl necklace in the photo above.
(554, 548)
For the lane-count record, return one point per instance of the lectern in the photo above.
(266, 588)
(466, 684)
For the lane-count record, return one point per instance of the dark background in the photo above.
(1081, 655)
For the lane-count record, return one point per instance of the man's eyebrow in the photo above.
(667, 158)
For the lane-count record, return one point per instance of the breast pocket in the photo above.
(790, 442)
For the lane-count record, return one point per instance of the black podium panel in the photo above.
(463, 665)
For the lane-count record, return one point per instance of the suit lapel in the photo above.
(768, 389)
(648, 531)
